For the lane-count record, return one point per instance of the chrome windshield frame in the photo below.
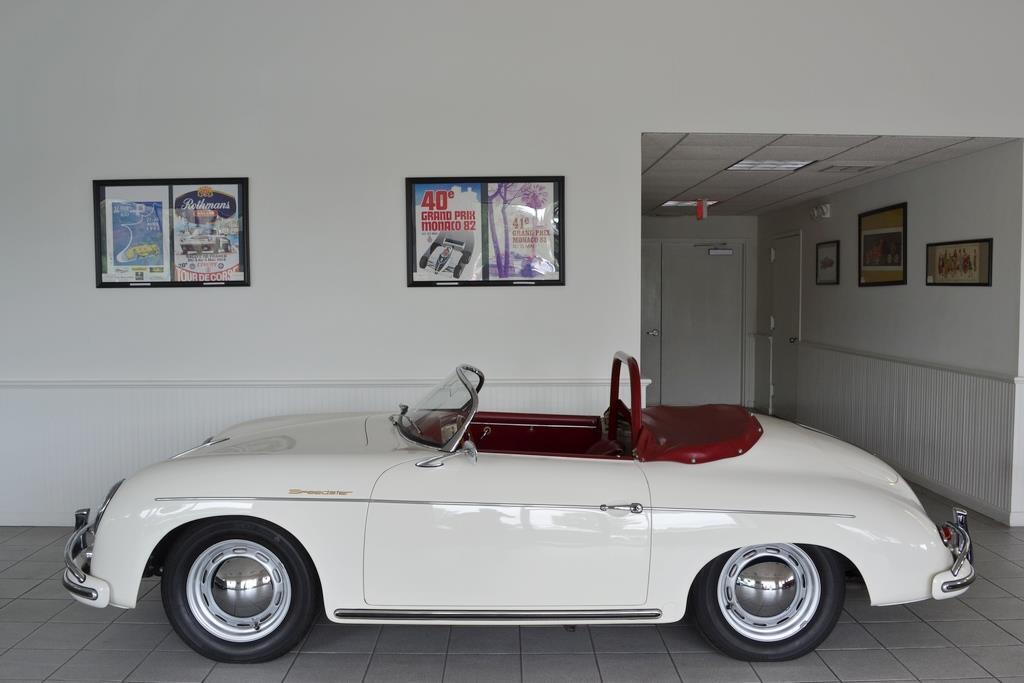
(452, 444)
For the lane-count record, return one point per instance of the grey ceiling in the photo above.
(687, 166)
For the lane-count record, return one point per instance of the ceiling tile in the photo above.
(654, 145)
(728, 139)
(844, 141)
(796, 153)
(691, 166)
(741, 180)
(663, 140)
(724, 155)
(895, 148)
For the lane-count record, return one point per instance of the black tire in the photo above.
(457, 271)
(425, 257)
(305, 601)
(717, 630)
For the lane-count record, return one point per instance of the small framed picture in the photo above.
(171, 232)
(882, 246)
(826, 267)
(963, 263)
(485, 231)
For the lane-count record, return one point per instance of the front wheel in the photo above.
(239, 590)
(769, 602)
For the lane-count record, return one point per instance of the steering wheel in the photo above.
(615, 404)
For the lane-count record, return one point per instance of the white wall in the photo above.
(327, 107)
(978, 195)
(927, 378)
(712, 228)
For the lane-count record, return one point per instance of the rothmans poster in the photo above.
(207, 231)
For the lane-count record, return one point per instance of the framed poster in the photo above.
(962, 263)
(183, 232)
(485, 231)
(826, 269)
(882, 246)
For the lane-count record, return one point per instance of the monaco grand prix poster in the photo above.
(485, 231)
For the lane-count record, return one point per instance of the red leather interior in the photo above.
(685, 434)
(535, 433)
(696, 434)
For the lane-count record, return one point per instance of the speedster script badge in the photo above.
(304, 492)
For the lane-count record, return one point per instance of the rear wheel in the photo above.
(769, 602)
(239, 590)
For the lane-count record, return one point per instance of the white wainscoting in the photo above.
(65, 442)
(949, 429)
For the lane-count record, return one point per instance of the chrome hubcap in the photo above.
(238, 590)
(769, 592)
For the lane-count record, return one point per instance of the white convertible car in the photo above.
(441, 514)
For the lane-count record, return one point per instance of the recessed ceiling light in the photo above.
(689, 202)
(768, 165)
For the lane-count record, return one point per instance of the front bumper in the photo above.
(955, 580)
(83, 587)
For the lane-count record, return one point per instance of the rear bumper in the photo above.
(957, 579)
(82, 586)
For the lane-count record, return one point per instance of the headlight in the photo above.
(106, 502)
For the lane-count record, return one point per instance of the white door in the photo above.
(786, 319)
(650, 319)
(508, 531)
(701, 323)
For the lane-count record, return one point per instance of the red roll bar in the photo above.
(634, 396)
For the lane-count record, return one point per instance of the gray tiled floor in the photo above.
(44, 635)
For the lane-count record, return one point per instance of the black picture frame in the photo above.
(422, 253)
(231, 244)
(818, 260)
(983, 262)
(885, 236)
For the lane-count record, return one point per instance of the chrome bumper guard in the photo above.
(76, 574)
(957, 537)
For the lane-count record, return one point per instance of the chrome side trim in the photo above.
(497, 615)
(559, 506)
(83, 591)
(272, 499)
(787, 513)
(276, 499)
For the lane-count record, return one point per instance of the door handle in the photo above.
(653, 332)
(635, 508)
(792, 340)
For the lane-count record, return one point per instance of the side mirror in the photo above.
(468, 449)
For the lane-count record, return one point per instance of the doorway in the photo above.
(692, 321)
(784, 324)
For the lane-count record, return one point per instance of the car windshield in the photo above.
(440, 418)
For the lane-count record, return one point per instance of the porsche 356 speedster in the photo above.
(444, 514)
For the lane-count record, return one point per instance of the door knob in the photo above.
(655, 332)
(792, 340)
